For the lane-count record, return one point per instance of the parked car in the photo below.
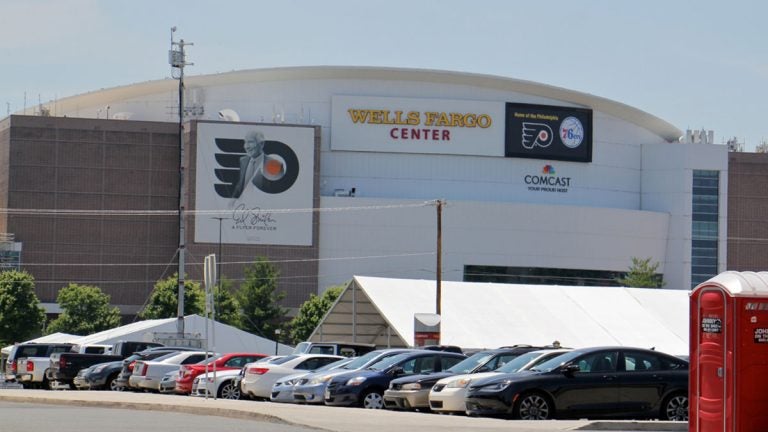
(282, 389)
(155, 353)
(187, 373)
(412, 392)
(99, 376)
(223, 387)
(239, 377)
(148, 374)
(311, 388)
(601, 382)
(65, 366)
(447, 394)
(259, 377)
(168, 382)
(366, 387)
(79, 380)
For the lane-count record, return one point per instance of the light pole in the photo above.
(218, 269)
(277, 336)
(177, 60)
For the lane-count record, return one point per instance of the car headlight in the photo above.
(459, 383)
(99, 368)
(411, 386)
(356, 381)
(497, 386)
(321, 380)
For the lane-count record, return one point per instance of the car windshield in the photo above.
(516, 363)
(302, 347)
(334, 365)
(470, 364)
(211, 359)
(282, 360)
(164, 356)
(555, 362)
(363, 360)
(385, 363)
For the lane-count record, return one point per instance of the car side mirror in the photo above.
(570, 369)
(397, 371)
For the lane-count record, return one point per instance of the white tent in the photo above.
(225, 337)
(485, 315)
(51, 338)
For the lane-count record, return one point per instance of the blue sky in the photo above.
(696, 64)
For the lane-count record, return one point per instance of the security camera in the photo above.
(229, 115)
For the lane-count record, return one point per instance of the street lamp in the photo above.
(277, 336)
(218, 266)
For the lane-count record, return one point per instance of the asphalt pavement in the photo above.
(334, 419)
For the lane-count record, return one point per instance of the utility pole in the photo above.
(439, 270)
(177, 60)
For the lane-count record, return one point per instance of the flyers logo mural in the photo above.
(270, 166)
(536, 135)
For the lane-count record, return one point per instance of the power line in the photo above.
(67, 212)
(303, 260)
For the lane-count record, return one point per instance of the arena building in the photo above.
(358, 171)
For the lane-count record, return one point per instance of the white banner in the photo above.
(260, 180)
(404, 125)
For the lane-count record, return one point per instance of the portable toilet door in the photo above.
(728, 354)
(708, 352)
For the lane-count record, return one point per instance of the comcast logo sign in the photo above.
(547, 181)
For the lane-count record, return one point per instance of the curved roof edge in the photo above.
(740, 284)
(622, 111)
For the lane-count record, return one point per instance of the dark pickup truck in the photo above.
(65, 366)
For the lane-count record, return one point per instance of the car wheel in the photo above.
(229, 391)
(675, 408)
(534, 406)
(372, 399)
(111, 384)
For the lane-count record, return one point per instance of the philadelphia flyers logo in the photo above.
(536, 135)
(271, 166)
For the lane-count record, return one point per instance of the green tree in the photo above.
(21, 316)
(227, 306)
(642, 274)
(86, 311)
(311, 312)
(259, 299)
(164, 301)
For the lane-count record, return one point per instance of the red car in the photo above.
(187, 373)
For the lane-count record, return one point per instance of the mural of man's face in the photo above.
(254, 143)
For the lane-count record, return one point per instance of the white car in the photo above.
(260, 376)
(148, 374)
(447, 395)
(224, 386)
(282, 389)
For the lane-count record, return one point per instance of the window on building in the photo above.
(704, 228)
(540, 276)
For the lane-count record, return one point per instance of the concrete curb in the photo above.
(332, 419)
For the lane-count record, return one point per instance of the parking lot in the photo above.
(320, 417)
